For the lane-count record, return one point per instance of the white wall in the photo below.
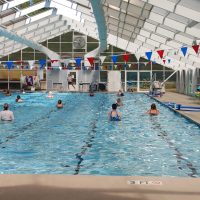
(114, 81)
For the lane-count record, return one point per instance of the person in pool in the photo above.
(119, 102)
(153, 110)
(6, 115)
(114, 115)
(50, 95)
(18, 99)
(120, 93)
(8, 93)
(59, 104)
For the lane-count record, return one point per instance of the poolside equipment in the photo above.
(182, 107)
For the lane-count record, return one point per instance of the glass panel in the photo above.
(44, 43)
(103, 76)
(15, 56)
(66, 47)
(157, 67)
(27, 56)
(5, 58)
(144, 66)
(158, 75)
(28, 50)
(39, 56)
(56, 39)
(54, 47)
(92, 46)
(131, 86)
(131, 76)
(145, 85)
(67, 37)
(115, 49)
(89, 39)
(144, 76)
(168, 73)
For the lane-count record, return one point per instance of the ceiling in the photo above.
(137, 26)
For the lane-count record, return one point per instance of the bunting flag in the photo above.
(10, 64)
(78, 61)
(31, 63)
(52, 61)
(148, 55)
(196, 48)
(169, 61)
(19, 62)
(42, 63)
(114, 58)
(137, 56)
(96, 67)
(126, 57)
(66, 61)
(110, 67)
(160, 53)
(129, 65)
(164, 61)
(91, 60)
(184, 50)
(102, 58)
(115, 66)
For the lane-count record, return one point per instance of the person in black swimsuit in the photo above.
(114, 115)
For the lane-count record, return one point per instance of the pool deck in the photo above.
(64, 187)
(183, 100)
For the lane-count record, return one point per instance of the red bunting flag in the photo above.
(91, 60)
(160, 53)
(19, 62)
(52, 61)
(126, 57)
(164, 61)
(196, 48)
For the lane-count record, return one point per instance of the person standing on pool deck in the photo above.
(6, 115)
(70, 81)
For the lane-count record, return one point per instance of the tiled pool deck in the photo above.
(63, 187)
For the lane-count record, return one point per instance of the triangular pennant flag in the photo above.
(129, 65)
(102, 58)
(66, 61)
(196, 48)
(145, 63)
(42, 63)
(9, 64)
(160, 53)
(91, 60)
(126, 57)
(31, 63)
(164, 61)
(52, 61)
(78, 61)
(148, 55)
(137, 56)
(114, 58)
(184, 50)
(169, 60)
(115, 66)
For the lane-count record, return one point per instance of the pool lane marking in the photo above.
(88, 142)
(178, 154)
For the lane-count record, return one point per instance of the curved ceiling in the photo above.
(136, 26)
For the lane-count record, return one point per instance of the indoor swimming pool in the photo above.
(79, 139)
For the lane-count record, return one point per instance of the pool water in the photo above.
(79, 139)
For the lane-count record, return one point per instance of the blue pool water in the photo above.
(79, 139)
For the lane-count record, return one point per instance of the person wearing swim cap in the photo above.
(6, 115)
